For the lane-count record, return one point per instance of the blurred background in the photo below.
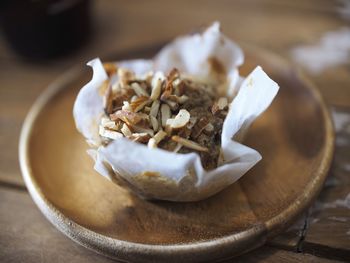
(48, 37)
(40, 40)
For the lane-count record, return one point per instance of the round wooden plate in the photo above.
(295, 138)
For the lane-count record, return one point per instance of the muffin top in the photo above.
(175, 112)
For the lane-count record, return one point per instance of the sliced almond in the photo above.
(140, 137)
(105, 120)
(139, 103)
(165, 113)
(219, 105)
(176, 82)
(152, 143)
(215, 108)
(167, 92)
(125, 130)
(144, 116)
(110, 68)
(172, 104)
(128, 117)
(109, 134)
(154, 123)
(199, 127)
(126, 106)
(125, 75)
(189, 144)
(157, 85)
(155, 108)
(169, 122)
(133, 98)
(174, 98)
(173, 74)
(139, 90)
(180, 120)
(222, 103)
(140, 129)
(107, 123)
(120, 96)
(116, 87)
(160, 135)
(182, 99)
(156, 89)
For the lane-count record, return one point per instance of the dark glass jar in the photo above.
(40, 29)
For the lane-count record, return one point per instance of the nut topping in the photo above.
(139, 103)
(139, 90)
(128, 117)
(165, 113)
(189, 144)
(109, 134)
(125, 130)
(154, 108)
(180, 120)
(175, 113)
(157, 85)
(219, 105)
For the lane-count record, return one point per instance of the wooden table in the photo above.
(322, 234)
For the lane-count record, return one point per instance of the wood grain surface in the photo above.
(40, 242)
(118, 26)
(331, 212)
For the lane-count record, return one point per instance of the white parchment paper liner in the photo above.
(159, 174)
